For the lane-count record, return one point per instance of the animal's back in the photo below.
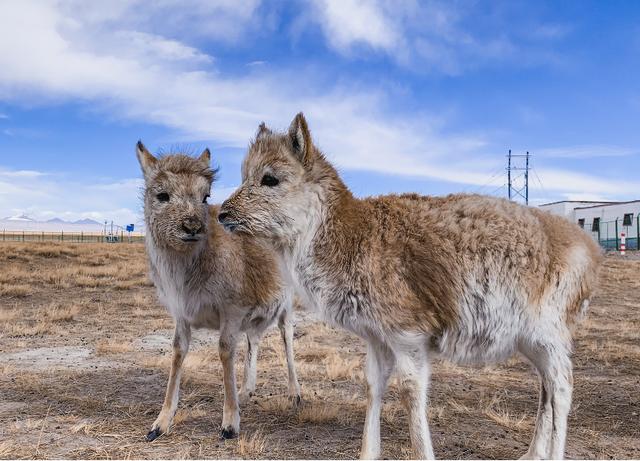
(477, 267)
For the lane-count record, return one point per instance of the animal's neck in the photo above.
(335, 221)
(176, 261)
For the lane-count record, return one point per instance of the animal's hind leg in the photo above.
(181, 340)
(249, 378)
(285, 324)
(556, 383)
(561, 403)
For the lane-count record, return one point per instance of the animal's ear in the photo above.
(301, 139)
(262, 131)
(146, 159)
(205, 157)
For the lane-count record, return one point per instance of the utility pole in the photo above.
(509, 175)
(513, 191)
(526, 181)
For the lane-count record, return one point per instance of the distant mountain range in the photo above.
(27, 223)
(25, 218)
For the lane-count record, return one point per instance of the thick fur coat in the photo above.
(471, 278)
(209, 278)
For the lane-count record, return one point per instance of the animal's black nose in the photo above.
(191, 226)
(222, 216)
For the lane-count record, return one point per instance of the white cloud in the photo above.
(586, 151)
(43, 196)
(221, 20)
(432, 36)
(350, 22)
(20, 174)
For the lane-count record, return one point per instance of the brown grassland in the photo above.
(85, 351)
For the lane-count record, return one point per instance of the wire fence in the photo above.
(79, 237)
(609, 233)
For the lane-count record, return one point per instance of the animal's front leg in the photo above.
(231, 410)
(181, 340)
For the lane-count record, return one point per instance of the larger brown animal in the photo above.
(208, 278)
(470, 278)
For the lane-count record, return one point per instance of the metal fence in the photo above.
(80, 237)
(608, 234)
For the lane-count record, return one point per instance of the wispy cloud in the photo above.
(433, 36)
(43, 195)
(587, 151)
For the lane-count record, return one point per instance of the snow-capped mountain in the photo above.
(26, 223)
(19, 218)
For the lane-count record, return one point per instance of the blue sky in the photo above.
(400, 95)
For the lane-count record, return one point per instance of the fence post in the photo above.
(638, 232)
(617, 241)
(23, 236)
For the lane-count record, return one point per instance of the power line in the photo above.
(497, 189)
(493, 177)
(544, 191)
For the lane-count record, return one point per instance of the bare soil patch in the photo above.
(85, 353)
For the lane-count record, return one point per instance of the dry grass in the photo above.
(326, 412)
(85, 426)
(101, 405)
(339, 367)
(10, 290)
(10, 449)
(458, 407)
(113, 346)
(37, 328)
(58, 313)
(185, 414)
(278, 404)
(501, 415)
(7, 315)
(252, 446)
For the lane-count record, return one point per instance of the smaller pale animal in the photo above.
(472, 279)
(209, 278)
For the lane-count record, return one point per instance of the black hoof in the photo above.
(228, 433)
(296, 401)
(153, 434)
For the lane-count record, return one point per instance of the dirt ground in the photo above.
(85, 351)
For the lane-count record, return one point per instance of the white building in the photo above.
(605, 220)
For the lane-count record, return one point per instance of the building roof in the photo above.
(581, 201)
(607, 204)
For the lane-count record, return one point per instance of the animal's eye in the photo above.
(269, 181)
(204, 200)
(163, 197)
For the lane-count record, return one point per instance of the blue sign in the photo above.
(129, 227)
